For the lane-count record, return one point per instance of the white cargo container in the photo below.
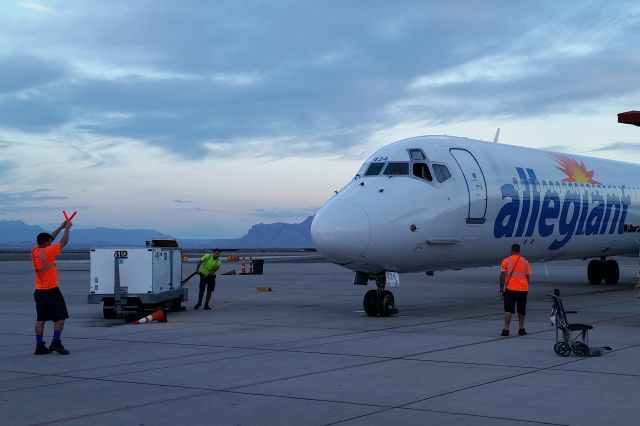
(145, 276)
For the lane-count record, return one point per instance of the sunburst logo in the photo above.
(575, 171)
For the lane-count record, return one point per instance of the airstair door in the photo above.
(476, 185)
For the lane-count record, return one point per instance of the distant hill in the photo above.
(15, 234)
(105, 237)
(271, 235)
(16, 231)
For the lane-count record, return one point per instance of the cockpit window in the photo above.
(397, 169)
(421, 170)
(417, 154)
(374, 169)
(441, 172)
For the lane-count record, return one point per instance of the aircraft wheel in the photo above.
(386, 303)
(611, 272)
(596, 271)
(370, 303)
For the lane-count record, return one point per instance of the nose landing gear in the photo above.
(379, 302)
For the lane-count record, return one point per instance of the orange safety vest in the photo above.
(517, 268)
(44, 264)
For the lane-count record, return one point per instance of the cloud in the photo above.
(621, 146)
(6, 166)
(279, 80)
(253, 78)
(183, 201)
(558, 148)
(25, 200)
(19, 71)
(39, 8)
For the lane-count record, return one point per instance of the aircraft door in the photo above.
(476, 184)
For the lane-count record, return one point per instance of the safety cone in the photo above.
(159, 315)
(231, 272)
(251, 265)
(242, 271)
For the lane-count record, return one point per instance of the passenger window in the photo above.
(441, 172)
(417, 154)
(374, 169)
(421, 170)
(397, 169)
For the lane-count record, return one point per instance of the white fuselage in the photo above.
(441, 202)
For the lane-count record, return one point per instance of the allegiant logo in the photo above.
(589, 211)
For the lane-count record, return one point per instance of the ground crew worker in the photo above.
(514, 287)
(50, 305)
(207, 268)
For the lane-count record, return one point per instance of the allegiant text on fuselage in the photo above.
(574, 212)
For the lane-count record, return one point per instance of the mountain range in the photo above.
(15, 234)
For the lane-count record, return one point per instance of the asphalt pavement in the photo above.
(306, 353)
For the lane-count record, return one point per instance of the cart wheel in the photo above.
(580, 349)
(556, 348)
(109, 313)
(108, 310)
(564, 349)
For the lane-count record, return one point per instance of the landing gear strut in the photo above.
(379, 302)
(603, 269)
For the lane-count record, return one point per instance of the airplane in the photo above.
(433, 203)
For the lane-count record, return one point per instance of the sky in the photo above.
(202, 118)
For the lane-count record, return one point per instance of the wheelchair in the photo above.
(571, 337)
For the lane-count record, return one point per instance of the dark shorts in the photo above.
(50, 305)
(208, 282)
(513, 298)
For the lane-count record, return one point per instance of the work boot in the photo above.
(41, 349)
(207, 308)
(197, 306)
(56, 345)
(522, 332)
(504, 332)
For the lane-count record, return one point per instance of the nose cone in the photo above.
(341, 231)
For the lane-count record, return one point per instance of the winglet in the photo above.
(495, 138)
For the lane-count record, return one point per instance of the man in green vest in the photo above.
(207, 268)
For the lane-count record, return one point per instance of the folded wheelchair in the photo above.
(571, 337)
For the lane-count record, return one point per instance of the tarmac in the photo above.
(306, 353)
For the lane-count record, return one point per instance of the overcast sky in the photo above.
(201, 118)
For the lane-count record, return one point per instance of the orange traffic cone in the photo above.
(231, 272)
(251, 265)
(158, 315)
(242, 271)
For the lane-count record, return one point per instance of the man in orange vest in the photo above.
(50, 305)
(514, 287)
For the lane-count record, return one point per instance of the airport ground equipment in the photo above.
(134, 280)
(566, 341)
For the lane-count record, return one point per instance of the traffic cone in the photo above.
(251, 265)
(158, 315)
(242, 271)
(231, 272)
